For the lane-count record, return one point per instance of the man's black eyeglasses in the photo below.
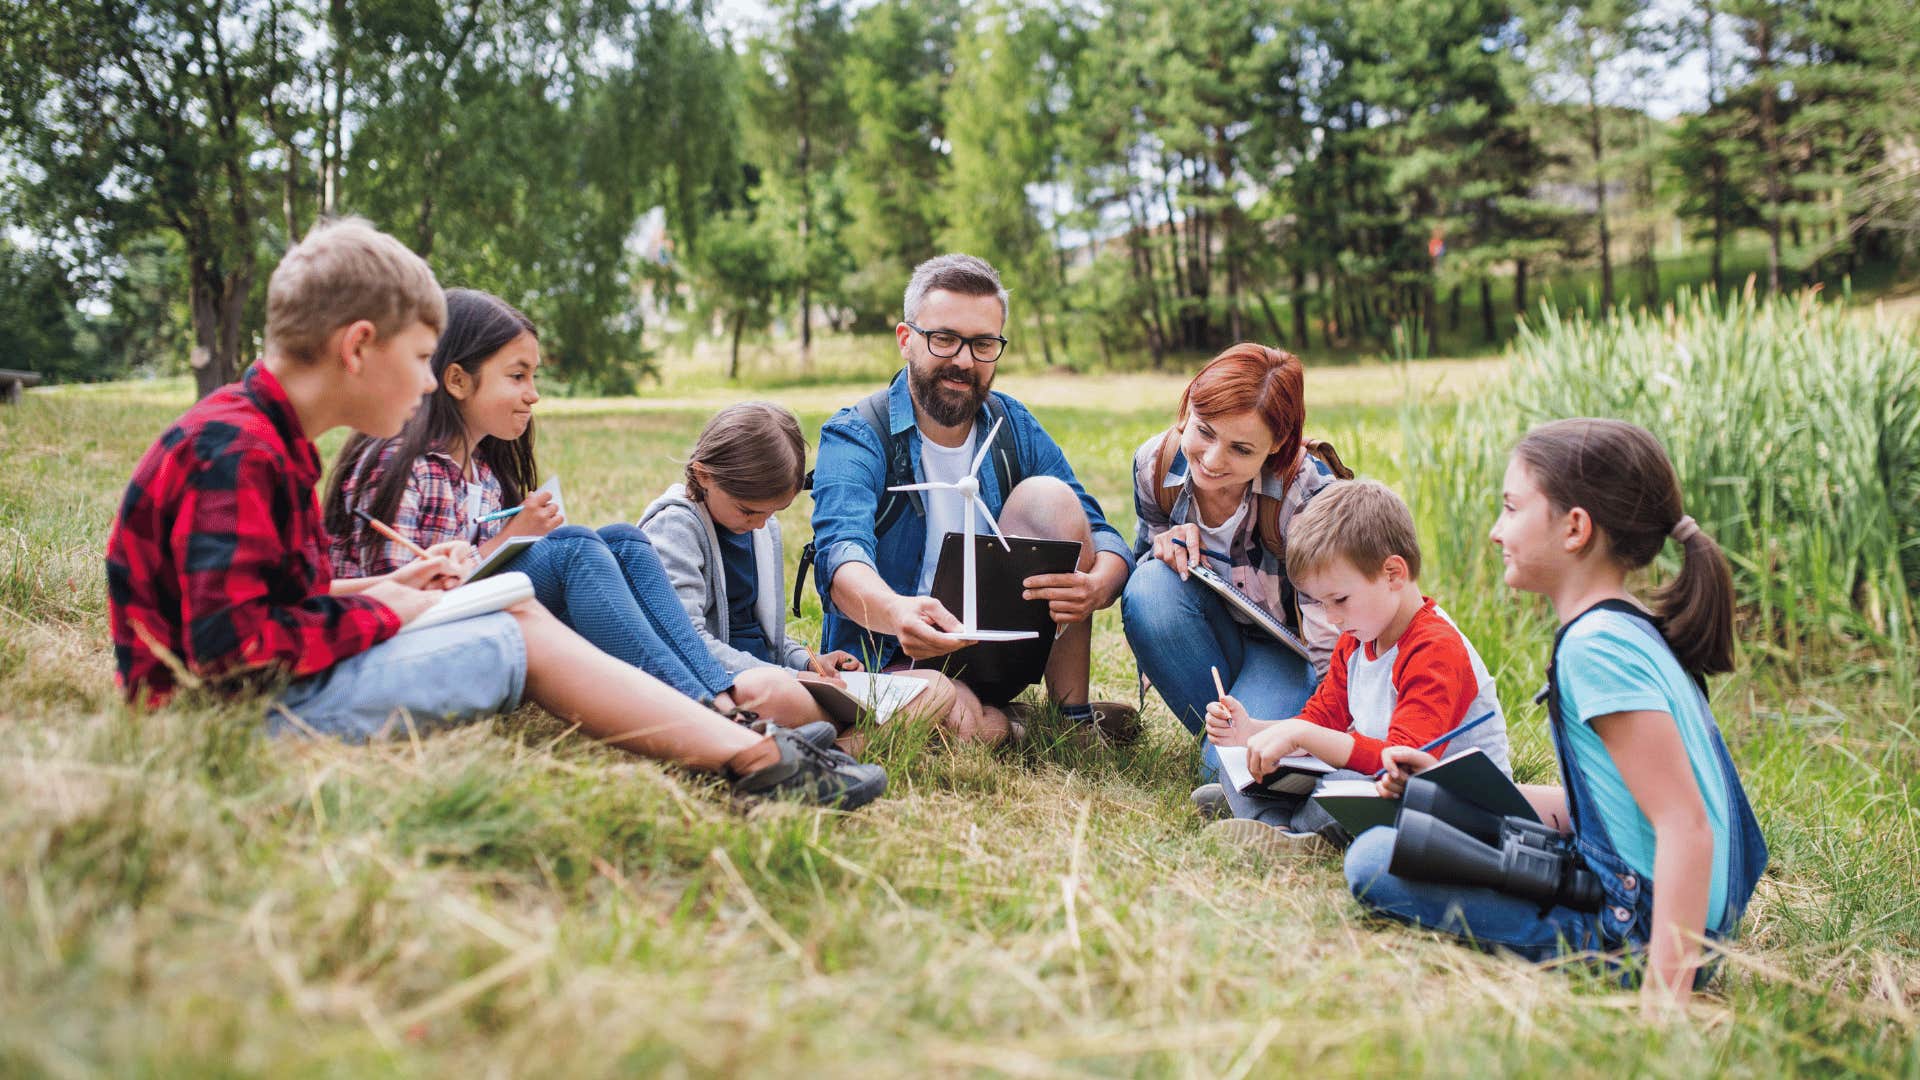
(946, 344)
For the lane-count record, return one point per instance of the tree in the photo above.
(739, 277)
(899, 60)
(150, 117)
(1584, 52)
(798, 103)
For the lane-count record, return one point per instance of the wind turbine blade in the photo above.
(985, 447)
(992, 524)
(922, 487)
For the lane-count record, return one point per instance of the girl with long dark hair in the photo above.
(466, 454)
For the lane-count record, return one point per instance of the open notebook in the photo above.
(476, 598)
(882, 695)
(1297, 774)
(1469, 774)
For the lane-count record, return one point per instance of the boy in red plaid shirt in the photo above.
(217, 564)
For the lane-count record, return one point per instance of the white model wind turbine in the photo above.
(968, 488)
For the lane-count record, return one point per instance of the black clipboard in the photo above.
(998, 670)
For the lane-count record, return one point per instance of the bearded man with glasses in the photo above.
(876, 553)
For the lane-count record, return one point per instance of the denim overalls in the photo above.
(1622, 924)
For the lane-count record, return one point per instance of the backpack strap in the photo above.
(1006, 453)
(1162, 465)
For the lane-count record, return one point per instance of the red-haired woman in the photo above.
(1220, 486)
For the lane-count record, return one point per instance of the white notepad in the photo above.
(479, 598)
(1296, 774)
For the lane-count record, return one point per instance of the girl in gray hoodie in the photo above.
(719, 542)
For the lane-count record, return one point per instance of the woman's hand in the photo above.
(1399, 764)
(1168, 548)
(538, 516)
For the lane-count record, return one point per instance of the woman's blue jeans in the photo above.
(1180, 629)
(610, 587)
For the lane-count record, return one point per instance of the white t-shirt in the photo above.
(943, 465)
(1220, 537)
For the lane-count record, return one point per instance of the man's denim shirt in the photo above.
(849, 483)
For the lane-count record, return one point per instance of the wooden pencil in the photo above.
(390, 533)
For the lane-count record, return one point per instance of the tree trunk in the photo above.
(1273, 321)
(217, 299)
(1596, 144)
(1453, 308)
(1487, 330)
(1770, 142)
(733, 357)
(333, 138)
(1519, 289)
(1299, 304)
(1430, 303)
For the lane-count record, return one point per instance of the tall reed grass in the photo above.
(1794, 425)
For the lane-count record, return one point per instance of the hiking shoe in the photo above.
(1210, 800)
(1117, 721)
(806, 772)
(1258, 836)
(820, 735)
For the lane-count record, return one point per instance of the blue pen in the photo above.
(1454, 734)
(497, 515)
(1207, 551)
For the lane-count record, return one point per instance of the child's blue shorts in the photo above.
(439, 677)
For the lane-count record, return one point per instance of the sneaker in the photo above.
(811, 774)
(1275, 843)
(1211, 802)
(1118, 721)
(820, 734)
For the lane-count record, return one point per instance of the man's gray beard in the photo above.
(940, 404)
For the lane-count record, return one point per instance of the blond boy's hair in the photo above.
(345, 270)
(1360, 521)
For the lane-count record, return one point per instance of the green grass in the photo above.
(179, 896)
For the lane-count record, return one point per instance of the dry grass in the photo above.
(180, 896)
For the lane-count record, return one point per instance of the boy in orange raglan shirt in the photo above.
(1402, 674)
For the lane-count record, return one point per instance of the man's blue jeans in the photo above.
(1180, 629)
(610, 587)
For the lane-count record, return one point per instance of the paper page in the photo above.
(883, 694)
(1349, 789)
(1233, 766)
(1233, 763)
(553, 485)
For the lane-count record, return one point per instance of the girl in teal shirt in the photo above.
(1649, 796)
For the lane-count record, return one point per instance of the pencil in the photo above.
(387, 531)
(498, 514)
(1216, 683)
(1449, 736)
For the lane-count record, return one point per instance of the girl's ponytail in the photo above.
(1695, 609)
(1619, 474)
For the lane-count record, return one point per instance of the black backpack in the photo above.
(874, 410)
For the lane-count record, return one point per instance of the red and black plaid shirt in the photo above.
(219, 553)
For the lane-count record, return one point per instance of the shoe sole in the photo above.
(1266, 839)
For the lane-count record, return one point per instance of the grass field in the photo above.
(180, 897)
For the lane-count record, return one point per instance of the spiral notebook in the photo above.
(1245, 605)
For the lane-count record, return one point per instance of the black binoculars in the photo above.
(1443, 838)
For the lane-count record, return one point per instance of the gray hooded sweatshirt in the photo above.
(682, 534)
